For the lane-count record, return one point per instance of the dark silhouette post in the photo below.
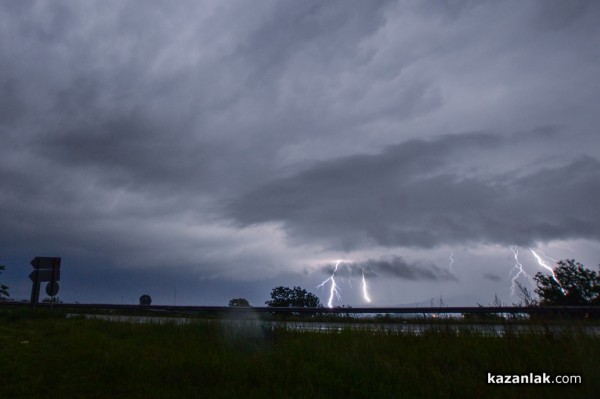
(45, 269)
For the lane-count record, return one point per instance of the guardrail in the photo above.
(531, 310)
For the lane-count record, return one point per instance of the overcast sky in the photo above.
(199, 151)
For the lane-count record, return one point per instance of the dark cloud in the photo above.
(330, 31)
(172, 134)
(492, 277)
(559, 15)
(128, 151)
(399, 268)
(407, 196)
(395, 267)
(11, 104)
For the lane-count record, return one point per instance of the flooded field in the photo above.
(487, 329)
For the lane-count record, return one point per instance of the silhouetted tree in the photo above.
(3, 288)
(525, 296)
(575, 285)
(145, 300)
(239, 302)
(293, 297)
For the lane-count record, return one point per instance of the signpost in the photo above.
(52, 289)
(45, 269)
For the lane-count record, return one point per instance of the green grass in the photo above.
(77, 358)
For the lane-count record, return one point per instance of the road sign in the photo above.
(42, 275)
(45, 262)
(46, 269)
(52, 288)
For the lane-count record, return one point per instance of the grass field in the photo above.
(45, 355)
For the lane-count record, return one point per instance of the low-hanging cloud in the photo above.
(408, 196)
(395, 267)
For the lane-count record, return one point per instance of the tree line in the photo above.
(571, 284)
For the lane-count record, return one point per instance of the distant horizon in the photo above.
(164, 299)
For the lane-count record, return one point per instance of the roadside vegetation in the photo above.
(3, 288)
(44, 354)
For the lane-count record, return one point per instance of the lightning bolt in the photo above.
(451, 260)
(543, 264)
(518, 268)
(364, 288)
(547, 257)
(333, 291)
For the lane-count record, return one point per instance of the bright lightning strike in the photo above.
(518, 267)
(547, 257)
(451, 260)
(364, 288)
(543, 264)
(334, 289)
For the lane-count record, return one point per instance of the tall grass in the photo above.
(44, 355)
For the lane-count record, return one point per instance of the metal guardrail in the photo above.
(592, 310)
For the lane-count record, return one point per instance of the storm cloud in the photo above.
(409, 195)
(395, 267)
(241, 142)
